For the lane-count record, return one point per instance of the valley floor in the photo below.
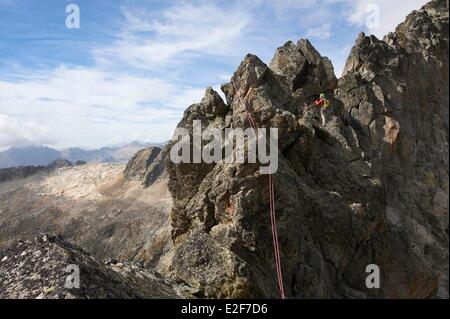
(93, 206)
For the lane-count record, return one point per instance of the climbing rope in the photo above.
(273, 220)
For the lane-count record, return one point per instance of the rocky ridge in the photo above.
(370, 187)
(21, 172)
(37, 269)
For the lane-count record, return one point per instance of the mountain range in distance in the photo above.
(44, 155)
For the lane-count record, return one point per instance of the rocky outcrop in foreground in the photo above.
(37, 269)
(369, 187)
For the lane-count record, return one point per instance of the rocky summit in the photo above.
(365, 186)
(369, 187)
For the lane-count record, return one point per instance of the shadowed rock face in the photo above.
(395, 93)
(146, 166)
(370, 187)
(37, 269)
(21, 172)
(14, 173)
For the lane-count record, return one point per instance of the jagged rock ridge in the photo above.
(371, 187)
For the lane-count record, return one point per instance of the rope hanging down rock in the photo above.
(273, 220)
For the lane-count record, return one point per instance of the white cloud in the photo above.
(136, 83)
(93, 105)
(322, 32)
(159, 42)
(22, 133)
(284, 8)
(391, 13)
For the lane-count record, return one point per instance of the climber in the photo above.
(324, 104)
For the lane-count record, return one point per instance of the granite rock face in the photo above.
(146, 166)
(38, 269)
(395, 95)
(369, 187)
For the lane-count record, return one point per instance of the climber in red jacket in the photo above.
(323, 103)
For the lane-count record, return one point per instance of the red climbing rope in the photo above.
(273, 220)
(276, 245)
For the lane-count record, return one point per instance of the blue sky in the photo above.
(134, 65)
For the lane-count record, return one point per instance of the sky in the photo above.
(133, 66)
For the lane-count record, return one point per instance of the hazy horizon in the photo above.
(142, 143)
